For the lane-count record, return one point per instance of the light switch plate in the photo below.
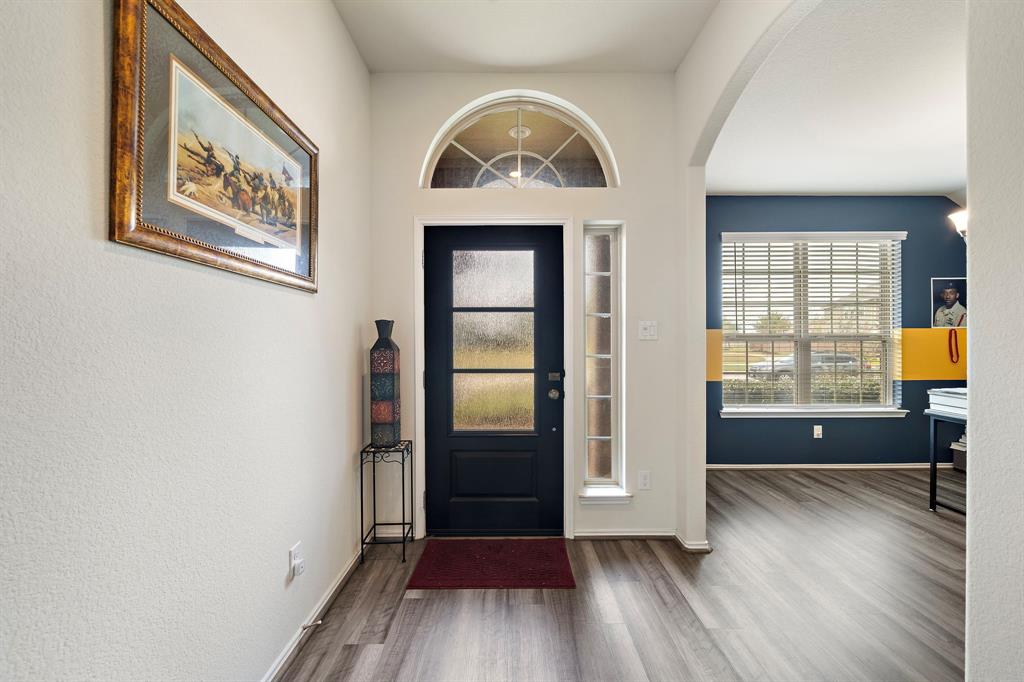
(648, 330)
(643, 479)
(296, 562)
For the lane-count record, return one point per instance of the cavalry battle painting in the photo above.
(222, 167)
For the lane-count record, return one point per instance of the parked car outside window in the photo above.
(820, 362)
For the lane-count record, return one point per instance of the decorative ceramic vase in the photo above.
(385, 404)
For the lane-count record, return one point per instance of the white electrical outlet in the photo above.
(817, 431)
(643, 479)
(296, 561)
(648, 330)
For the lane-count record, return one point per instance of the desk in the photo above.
(934, 417)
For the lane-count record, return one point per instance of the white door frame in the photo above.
(569, 339)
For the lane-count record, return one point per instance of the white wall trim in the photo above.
(694, 547)
(569, 350)
(905, 465)
(812, 413)
(483, 105)
(321, 606)
(597, 533)
(836, 236)
(587, 497)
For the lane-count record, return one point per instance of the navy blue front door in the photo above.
(494, 370)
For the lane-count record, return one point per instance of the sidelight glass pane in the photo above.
(599, 335)
(492, 279)
(601, 261)
(493, 340)
(599, 253)
(599, 294)
(599, 459)
(599, 376)
(493, 402)
(599, 417)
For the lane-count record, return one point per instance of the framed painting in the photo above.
(205, 166)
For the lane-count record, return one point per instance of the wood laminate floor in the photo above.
(815, 575)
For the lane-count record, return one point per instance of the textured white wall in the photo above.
(860, 97)
(736, 39)
(635, 113)
(169, 430)
(995, 251)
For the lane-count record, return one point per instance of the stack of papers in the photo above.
(951, 401)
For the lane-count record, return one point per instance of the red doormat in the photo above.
(493, 564)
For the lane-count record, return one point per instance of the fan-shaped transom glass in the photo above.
(518, 147)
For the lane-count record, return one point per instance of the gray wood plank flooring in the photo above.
(816, 575)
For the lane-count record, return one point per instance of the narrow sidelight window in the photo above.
(603, 357)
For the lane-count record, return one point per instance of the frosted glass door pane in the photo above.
(493, 340)
(599, 253)
(492, 279)
(493, 402)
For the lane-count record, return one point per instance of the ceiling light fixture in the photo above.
(959, 220)
(515, 174)
(519, 132)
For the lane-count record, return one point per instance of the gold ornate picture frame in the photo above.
(204, 165)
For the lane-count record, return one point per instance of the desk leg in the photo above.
(403, 510)
(362, 520)
(932, 474)
(412, 495)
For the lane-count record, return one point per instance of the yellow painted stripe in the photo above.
(925, 355)
(714, 346)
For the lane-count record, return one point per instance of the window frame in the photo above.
(529, 99)
(615, 484)
(803, 339)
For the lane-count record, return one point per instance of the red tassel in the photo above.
(954, 347)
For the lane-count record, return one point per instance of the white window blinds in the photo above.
(810, 318)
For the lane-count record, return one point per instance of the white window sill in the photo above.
(812, 412)
(604, 495)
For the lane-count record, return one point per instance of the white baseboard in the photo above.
(317, 612)
(598, 533)
(908, 465)
(694, 547)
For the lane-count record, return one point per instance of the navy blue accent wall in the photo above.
(932, 249)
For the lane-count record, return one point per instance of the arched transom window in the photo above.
(520, 144)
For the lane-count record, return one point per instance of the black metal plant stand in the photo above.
(400, 453)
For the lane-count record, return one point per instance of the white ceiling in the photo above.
(861, 97)
(524, 35)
